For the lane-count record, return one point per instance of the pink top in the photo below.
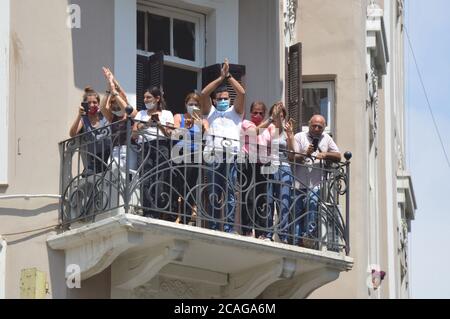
(251, 140)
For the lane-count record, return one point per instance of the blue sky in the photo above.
(428, 24)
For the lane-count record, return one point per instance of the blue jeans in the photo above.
(222, 179)
(306, 206)
(282, 194)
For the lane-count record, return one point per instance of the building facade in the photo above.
(342, 59)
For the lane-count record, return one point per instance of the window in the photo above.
(318, 98)
(179, 35)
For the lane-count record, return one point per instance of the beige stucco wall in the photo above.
(50, 64)
(333, 37)
(259, 36)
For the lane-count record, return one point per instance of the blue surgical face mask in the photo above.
(222, 105)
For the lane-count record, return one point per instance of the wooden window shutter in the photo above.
(294, 84)
(142, 82)
(212, 72)
(149, 73)
(156, 70)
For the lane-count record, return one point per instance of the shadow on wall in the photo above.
(96, 287)
(56, 262)
(92, 42)
(20, 212)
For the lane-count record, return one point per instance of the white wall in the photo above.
(389, 93)
(125, 46)
(4, 88)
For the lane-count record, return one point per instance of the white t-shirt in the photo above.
(224, 125)
(165, 118)
(309, 174)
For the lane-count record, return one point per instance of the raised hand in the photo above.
(225, 69)
(288, 127)
(109, 76)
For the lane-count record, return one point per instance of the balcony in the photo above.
(165, 224)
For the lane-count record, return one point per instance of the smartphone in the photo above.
(85, 106)
(155, 117)
(315, 143)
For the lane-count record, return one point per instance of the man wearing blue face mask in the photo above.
(222, 146)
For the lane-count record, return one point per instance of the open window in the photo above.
(170, 53)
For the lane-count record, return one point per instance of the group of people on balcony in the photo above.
(242, 164)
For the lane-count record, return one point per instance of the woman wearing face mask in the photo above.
(275, 137)
(114, 107)
(253, 198)
(97, 152)
(191, 128)
(154, 125)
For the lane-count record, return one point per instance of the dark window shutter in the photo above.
(212, 72)
(149, 73)
(294, 84)
(156, 70)
(142, 82)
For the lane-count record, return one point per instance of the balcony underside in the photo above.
(152, 258)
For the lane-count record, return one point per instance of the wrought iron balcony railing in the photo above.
(206, 181)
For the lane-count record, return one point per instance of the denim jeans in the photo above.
(222, 179)
(306, 222)
(282, 194)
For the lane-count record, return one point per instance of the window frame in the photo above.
(330, 86)
(173, 13)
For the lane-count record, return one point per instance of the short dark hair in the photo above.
(220, 89)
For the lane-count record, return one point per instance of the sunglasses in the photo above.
(317, 126)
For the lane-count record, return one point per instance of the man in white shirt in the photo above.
(223, 139)
(312, 148)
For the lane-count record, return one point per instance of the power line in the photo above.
(31, 231)
(426, 97)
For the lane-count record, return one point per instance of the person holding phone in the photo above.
(153, 127)
(89, 119)
(311, 149)
(188, 144)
